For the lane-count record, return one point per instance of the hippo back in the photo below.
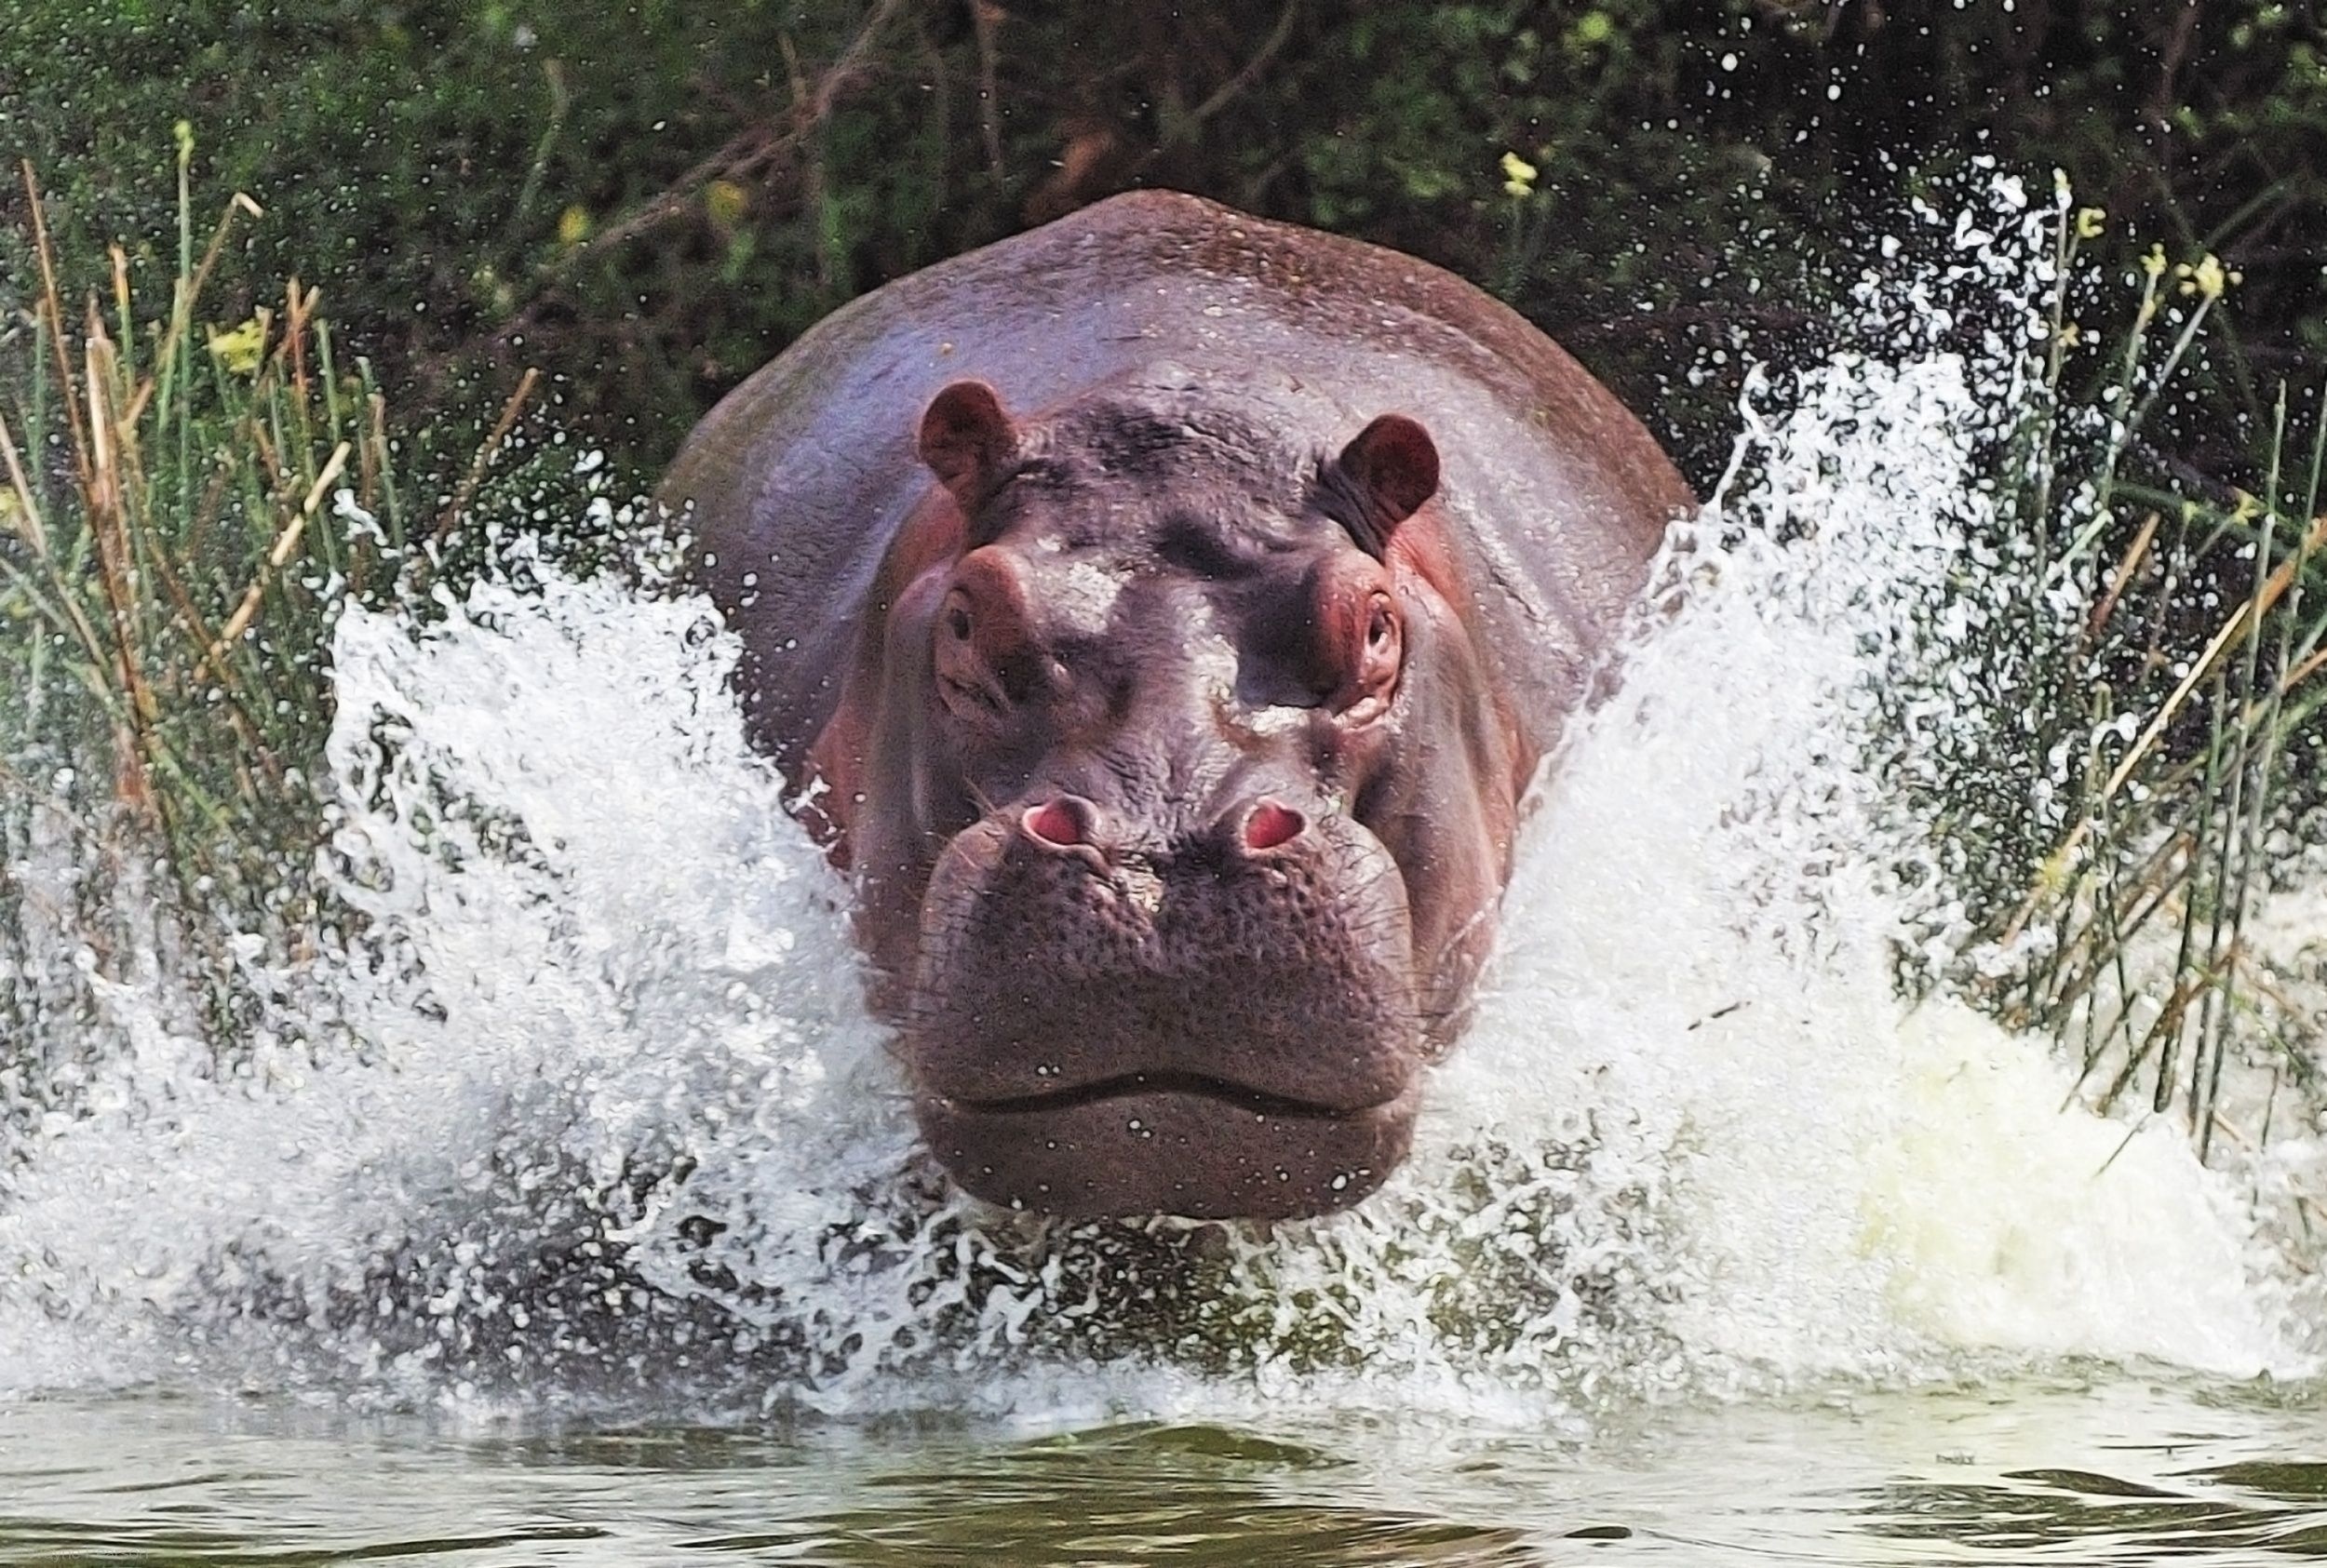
(799, 480)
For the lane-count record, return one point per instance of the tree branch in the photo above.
(745, 153)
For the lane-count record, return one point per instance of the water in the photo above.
(573, 1213)
(2104, 1468)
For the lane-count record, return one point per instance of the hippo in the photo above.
(1162, 614)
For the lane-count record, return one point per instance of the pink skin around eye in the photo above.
(1365, 651)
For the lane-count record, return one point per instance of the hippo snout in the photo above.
(1219, 1023)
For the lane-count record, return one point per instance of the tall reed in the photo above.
(184, 508)
(2170, 639)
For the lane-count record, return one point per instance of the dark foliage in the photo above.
(648, 200)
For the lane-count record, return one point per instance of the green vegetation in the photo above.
(186, 507)
(2146, 667)
(648, 200)
(184, 510)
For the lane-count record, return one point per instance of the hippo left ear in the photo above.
(1386, 472)
(969, 442)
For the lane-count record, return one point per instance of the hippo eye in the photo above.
(1382, 633)
(984, 665)
(965, 681)
(1373, 673)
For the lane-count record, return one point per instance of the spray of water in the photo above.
(585, 1106)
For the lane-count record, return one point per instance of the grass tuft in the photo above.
(2172, 734)
(186, 507)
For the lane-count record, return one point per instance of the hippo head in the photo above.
(1182, 802)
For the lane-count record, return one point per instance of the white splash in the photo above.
(1700, 946)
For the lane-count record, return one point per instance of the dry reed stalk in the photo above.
(469, 486)
(35, 531)
(2127, 565)
(50, 312)
(190, 288)
(2246, 618)
(103, 497)
(2304, 670)
(37, 535)
(287, 541)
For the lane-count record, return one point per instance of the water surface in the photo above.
(2093, 1470)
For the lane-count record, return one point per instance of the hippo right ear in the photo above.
(969, 442)
(1383, 477)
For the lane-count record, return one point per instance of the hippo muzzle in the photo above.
(1223, 1024)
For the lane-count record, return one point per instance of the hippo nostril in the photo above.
(1272, 824)
(1063, 823)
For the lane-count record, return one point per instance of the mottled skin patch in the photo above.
(1173, 608)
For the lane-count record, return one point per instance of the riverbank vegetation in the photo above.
(184, 508)
(2144, 659)
(647, 201)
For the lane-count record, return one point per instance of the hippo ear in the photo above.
(968, 442)
(1386, 472)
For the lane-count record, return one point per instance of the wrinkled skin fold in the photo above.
(1165, 612)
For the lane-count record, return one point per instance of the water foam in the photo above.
(590, 1101)
(1706, 932)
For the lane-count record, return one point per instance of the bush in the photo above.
(649, 201)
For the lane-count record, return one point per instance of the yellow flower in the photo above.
(242, 349)
(726, 202)
(2089, 222)
(2154, 264)
(573, 224)
(2206, 279)
(2071, 334)
(1518, 175)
